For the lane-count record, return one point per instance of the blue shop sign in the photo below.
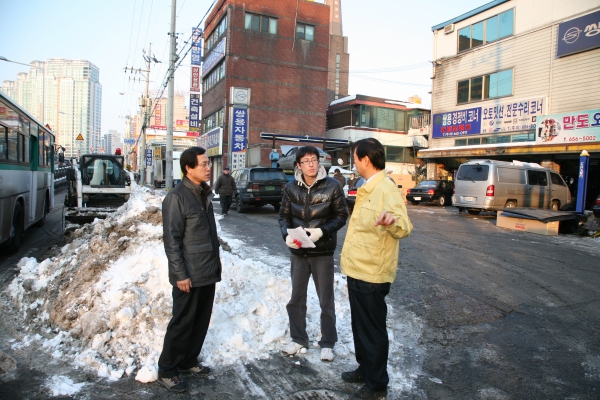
(578, 34)
(457, 123)
(240, 130)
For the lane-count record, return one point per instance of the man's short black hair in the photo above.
(189, 158)
(373, 149)
(305, 150)
(336, 170)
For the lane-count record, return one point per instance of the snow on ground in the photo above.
(105, 303)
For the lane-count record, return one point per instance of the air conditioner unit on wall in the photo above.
(448, 29)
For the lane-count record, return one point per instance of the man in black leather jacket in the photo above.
(192, 249)
(315, 202)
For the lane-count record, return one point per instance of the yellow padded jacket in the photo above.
(370, 252)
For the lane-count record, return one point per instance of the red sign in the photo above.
(195, 86)
(191, 133)
(157, 114)
(163, 127)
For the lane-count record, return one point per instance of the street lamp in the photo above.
(43, 80)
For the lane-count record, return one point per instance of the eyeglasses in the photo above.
(309, 162)
(206, 164)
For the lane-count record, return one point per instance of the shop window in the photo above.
(460, 142)
(493, 28)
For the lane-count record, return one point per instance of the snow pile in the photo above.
(105, 302)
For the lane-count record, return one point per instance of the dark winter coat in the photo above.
(190, 235)
(321, 205)
(340, 178)
(225, 185)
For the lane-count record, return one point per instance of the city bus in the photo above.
(26, 172)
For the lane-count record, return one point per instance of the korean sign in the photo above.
(578, 34)
(212, 142)
(148, 157)
(457, 123)
(195, 79)
(194, 112)
(509, 116)
(239, 137)
(196, 46)
(214, 57)
(571, 127)
(157, 114)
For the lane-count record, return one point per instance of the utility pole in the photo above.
(171, 83)
(146, 107)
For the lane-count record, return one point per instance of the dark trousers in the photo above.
(321, 269)
(225, 203)
(187, 329)
(369, 311)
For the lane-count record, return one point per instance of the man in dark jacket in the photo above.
(192, 249)
(316, 203)
(337, 175)
(225, 188)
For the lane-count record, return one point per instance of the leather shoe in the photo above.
(353, 376)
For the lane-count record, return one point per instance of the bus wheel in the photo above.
(16, 230)
(41, 222)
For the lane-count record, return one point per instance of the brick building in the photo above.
(279, 50)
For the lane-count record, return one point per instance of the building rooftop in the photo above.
(469, 14)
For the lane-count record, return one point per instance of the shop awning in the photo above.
(301, 139)
(508, 149)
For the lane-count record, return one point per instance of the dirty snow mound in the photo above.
(105, 301)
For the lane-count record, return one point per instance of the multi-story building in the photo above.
(391, 122)
(339, 59)
(265, 69)
(517, 80)
(111, 141)
(72, 101)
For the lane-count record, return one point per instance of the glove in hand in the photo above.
(314, 233)
(292, 243)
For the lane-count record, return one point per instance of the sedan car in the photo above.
(439, 192)
(351, 198)
(288, 161)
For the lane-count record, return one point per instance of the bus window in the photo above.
(41, 160)
(13, 145)
(3, 146)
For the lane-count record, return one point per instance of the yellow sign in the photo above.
(157, 153)
(79, 137)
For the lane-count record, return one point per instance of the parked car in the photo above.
(436, 191)
(257, 186)
(288, 161)
(351, 198)
(596, 208)
(491, 185)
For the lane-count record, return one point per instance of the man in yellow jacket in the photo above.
(370, 259)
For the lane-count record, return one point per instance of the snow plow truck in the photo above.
(98, 184)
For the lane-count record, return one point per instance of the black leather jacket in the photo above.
(190, 235)
(322, 205)
(225, 185)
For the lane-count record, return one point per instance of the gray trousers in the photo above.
(321, 269)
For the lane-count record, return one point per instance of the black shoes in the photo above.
(369, 394)
(353, 377)
(198, 370)
(174, 384)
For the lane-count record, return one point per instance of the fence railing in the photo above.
(60, 172)
(420, 121)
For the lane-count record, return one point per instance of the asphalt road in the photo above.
(505, 314)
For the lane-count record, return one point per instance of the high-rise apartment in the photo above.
(72, 101)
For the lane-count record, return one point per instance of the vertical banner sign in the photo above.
(194, 112)
(157, 114)
(195, 84)
(584, 167)
(196, 46)
(239, 137)
(148, 157)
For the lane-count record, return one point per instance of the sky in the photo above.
(389, 42)
(119, 300)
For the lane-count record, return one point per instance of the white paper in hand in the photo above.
(300, 235)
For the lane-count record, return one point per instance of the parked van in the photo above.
(489, 185)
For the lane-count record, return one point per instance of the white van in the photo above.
(490, 185)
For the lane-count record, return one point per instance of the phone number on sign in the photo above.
(582, 139)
